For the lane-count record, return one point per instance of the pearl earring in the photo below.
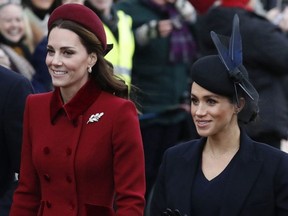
(89, 69)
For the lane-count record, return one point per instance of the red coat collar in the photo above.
(77, 105)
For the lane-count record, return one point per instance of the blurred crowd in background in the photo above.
(155, 42)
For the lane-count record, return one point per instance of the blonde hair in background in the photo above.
(28, 33)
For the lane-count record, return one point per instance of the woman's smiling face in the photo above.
(12, 22)
(212, 113)
(67, 59)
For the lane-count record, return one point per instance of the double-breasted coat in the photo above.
(256, 186)
(79, 156)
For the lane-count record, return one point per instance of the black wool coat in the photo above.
(257, 185)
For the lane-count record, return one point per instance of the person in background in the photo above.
(14, 88)
(270, 4)
(37, 13)
(72, 1)
(4, 60)
(203, 5)
(265, 54)
(82, 149)
(278, 15)
(12, 39)
(118, 28)
(42, 81)
(164, 51)
(225, 172)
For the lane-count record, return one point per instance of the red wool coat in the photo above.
(82, 158)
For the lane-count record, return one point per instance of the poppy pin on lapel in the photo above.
(95, 117)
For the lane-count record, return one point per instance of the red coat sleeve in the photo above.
(129, 172)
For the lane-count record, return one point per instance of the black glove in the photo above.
(169, 212)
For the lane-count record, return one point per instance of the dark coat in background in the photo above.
(256, 186)
(14, 89)
(265, 56)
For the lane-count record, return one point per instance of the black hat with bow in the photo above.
(224, 74)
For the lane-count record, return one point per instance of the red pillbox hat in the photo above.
(82, 15)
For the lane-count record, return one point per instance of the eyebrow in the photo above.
(207, 96)
(62, 48)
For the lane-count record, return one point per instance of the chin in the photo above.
(57, 84)
(203, 133)
(14, 40)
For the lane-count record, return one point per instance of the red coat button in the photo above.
(68, 179)
(47, 177)
(68, 151)
(72, 205)
(48, 204)
(46, 150)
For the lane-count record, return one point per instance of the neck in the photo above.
(225, 143)
(66, 96)
(67, 93)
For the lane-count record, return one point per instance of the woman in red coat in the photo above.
(82, 152)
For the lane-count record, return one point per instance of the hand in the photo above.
(165, 27)
(170, 212)
(152, 30)
(283, 24)
(274, 15)
(279, 18)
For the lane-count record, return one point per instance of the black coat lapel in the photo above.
(242, 178)
(188, 166)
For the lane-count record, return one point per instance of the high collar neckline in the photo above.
(77, 105)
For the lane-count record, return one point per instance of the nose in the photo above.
(14, 22)
(56, 59)
(200, 109)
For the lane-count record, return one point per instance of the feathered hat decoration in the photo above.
(232, 59)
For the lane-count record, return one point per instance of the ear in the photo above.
(240, 105)
(92, 59)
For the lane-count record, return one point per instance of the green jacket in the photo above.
(163, 86)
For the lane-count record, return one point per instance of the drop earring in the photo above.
(237, 110)
(89, 69)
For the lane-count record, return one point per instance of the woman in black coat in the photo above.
(224, 173)
(265, 55)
